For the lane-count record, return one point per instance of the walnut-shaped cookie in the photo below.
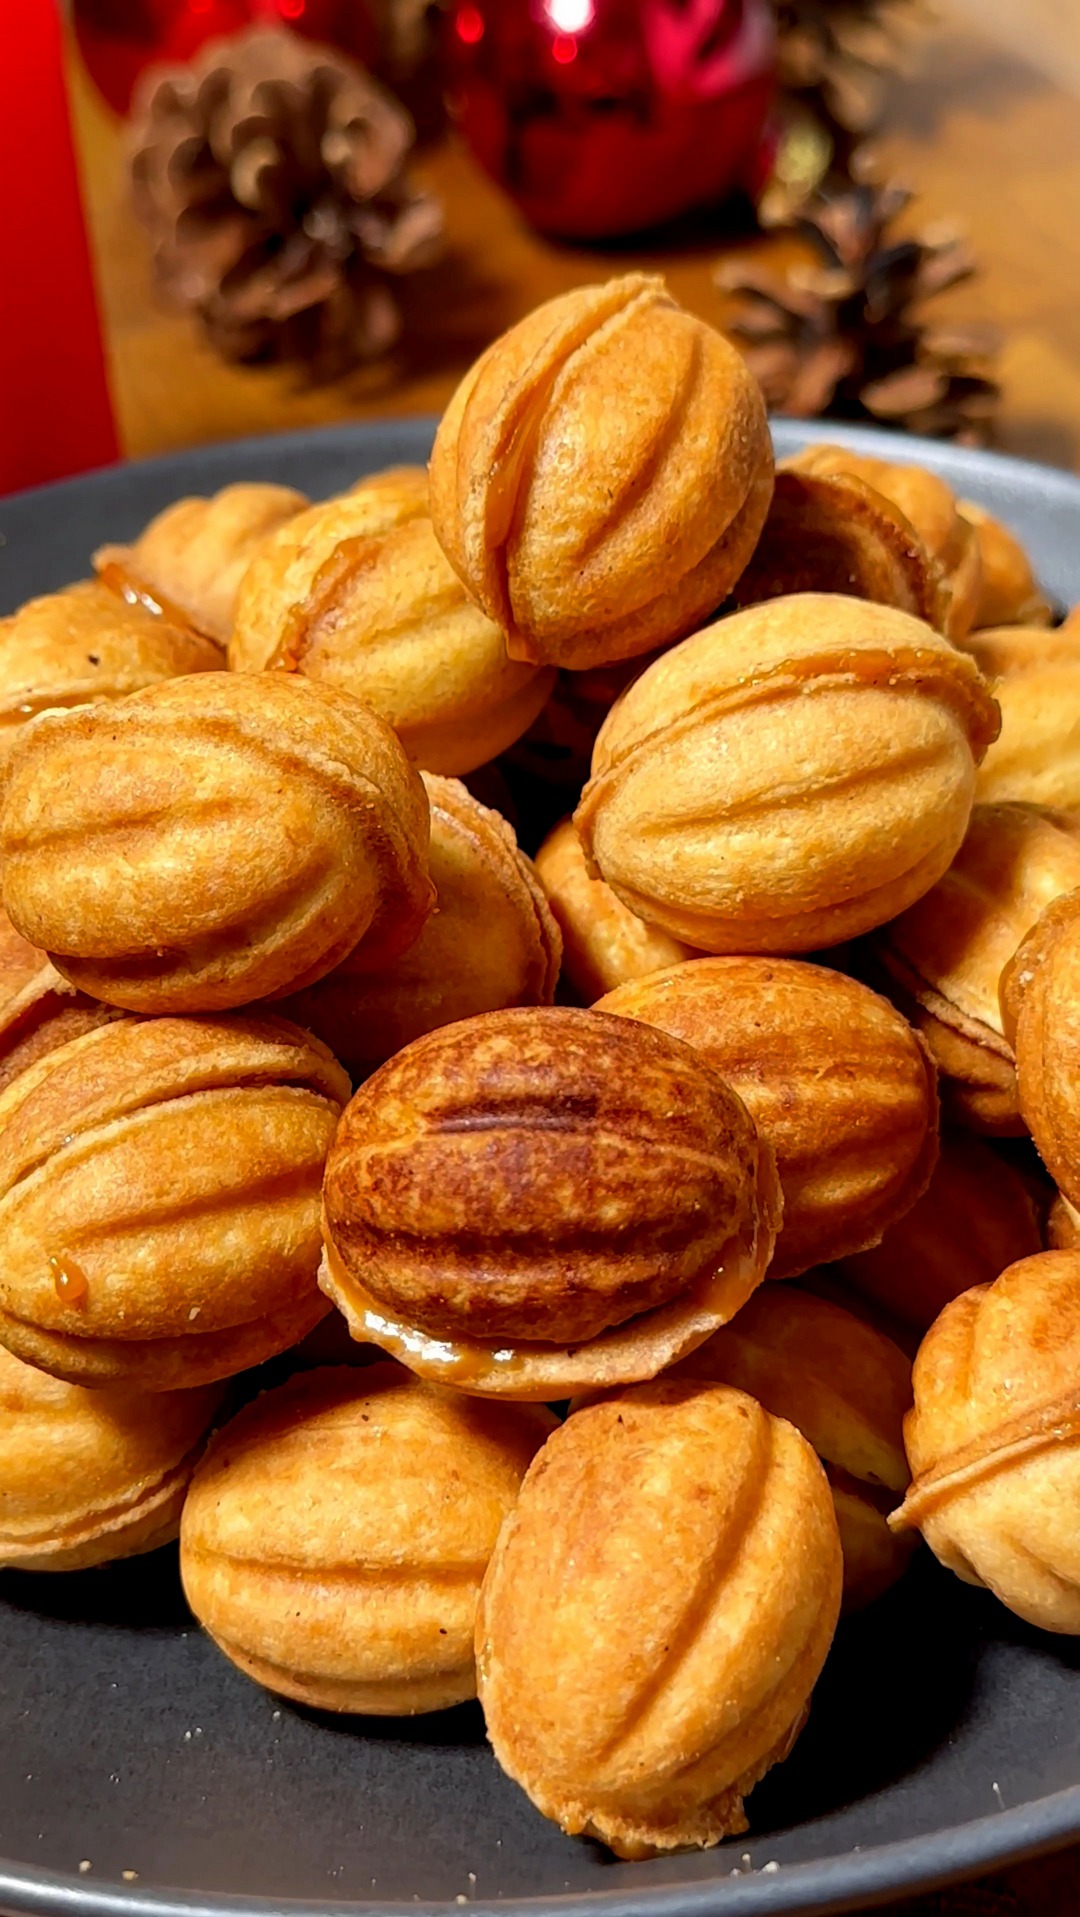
(846, 1387)
(656, 1613)
(1000, 652)
(85, 645)
(39, 1010)
(159, 1199)
(994, 1440)
(601, 474)
(393, 625)
(1062, 1225)
(943, 958)
(1037, 754)
(788, 777)
(318, 551)
(1008, 590)
(192, 556)
(491, 942)
(977, 1215)
(336, 1535)
(543, 1201)
(1040, 1008)
(90, 1476)
(931, 508)
(604, 943)
(213, 841)
(831, 532)
(834, 1078)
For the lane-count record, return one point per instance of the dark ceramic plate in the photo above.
(944, 1737)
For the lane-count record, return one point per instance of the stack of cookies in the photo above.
(602, 1196)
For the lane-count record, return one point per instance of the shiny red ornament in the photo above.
(119, 38)
(601, 117)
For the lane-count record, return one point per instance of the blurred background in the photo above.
(300, 211)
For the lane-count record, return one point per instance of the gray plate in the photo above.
(944, 1738)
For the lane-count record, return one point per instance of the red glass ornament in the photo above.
(599, 117)
(55, 414)
(118, 38)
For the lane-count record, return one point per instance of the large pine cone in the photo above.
(271, 175)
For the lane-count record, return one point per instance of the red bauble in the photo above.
(118, 38)
(599, 117)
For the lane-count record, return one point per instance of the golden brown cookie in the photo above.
(930, 507)
(387, 619)
(336, 1535)
(1037, 756)
(193, 555)
(89, 1476)
(846, 1387)
(833, 1077)
(831, 532)
(601, 475)
(1040, 1005)
(977, 1215)
(1008, 591)
(604, 943)
(85, 645)
(490, 942)
(994, 1440)
(321, 547)
(656, 1613)
(39, 1010)
(943, 958)
(789, 777)
(212, 841)
(159, 1199)
(543, 1201)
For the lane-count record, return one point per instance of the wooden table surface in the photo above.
(988, 132)
(979, 133)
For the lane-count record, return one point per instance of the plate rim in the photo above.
(788, 433)
(846, 1881)
(857, 1880)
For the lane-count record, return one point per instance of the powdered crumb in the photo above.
(767, 1869)
(472, 1876)
(193, 1313)
(996, 1788)
(461, 1898)
(84, 1866)
(130, 1876)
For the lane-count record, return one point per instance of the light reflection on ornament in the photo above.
(570, 16)
(470, 26)
(564, 48)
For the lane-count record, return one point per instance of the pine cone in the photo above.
(845, 335)
(836, 57)
(270, 174)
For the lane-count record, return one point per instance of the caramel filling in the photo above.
(69, 1279)
(1011, 1443)
(350, 559)
(135, 592)
(705, 1305)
